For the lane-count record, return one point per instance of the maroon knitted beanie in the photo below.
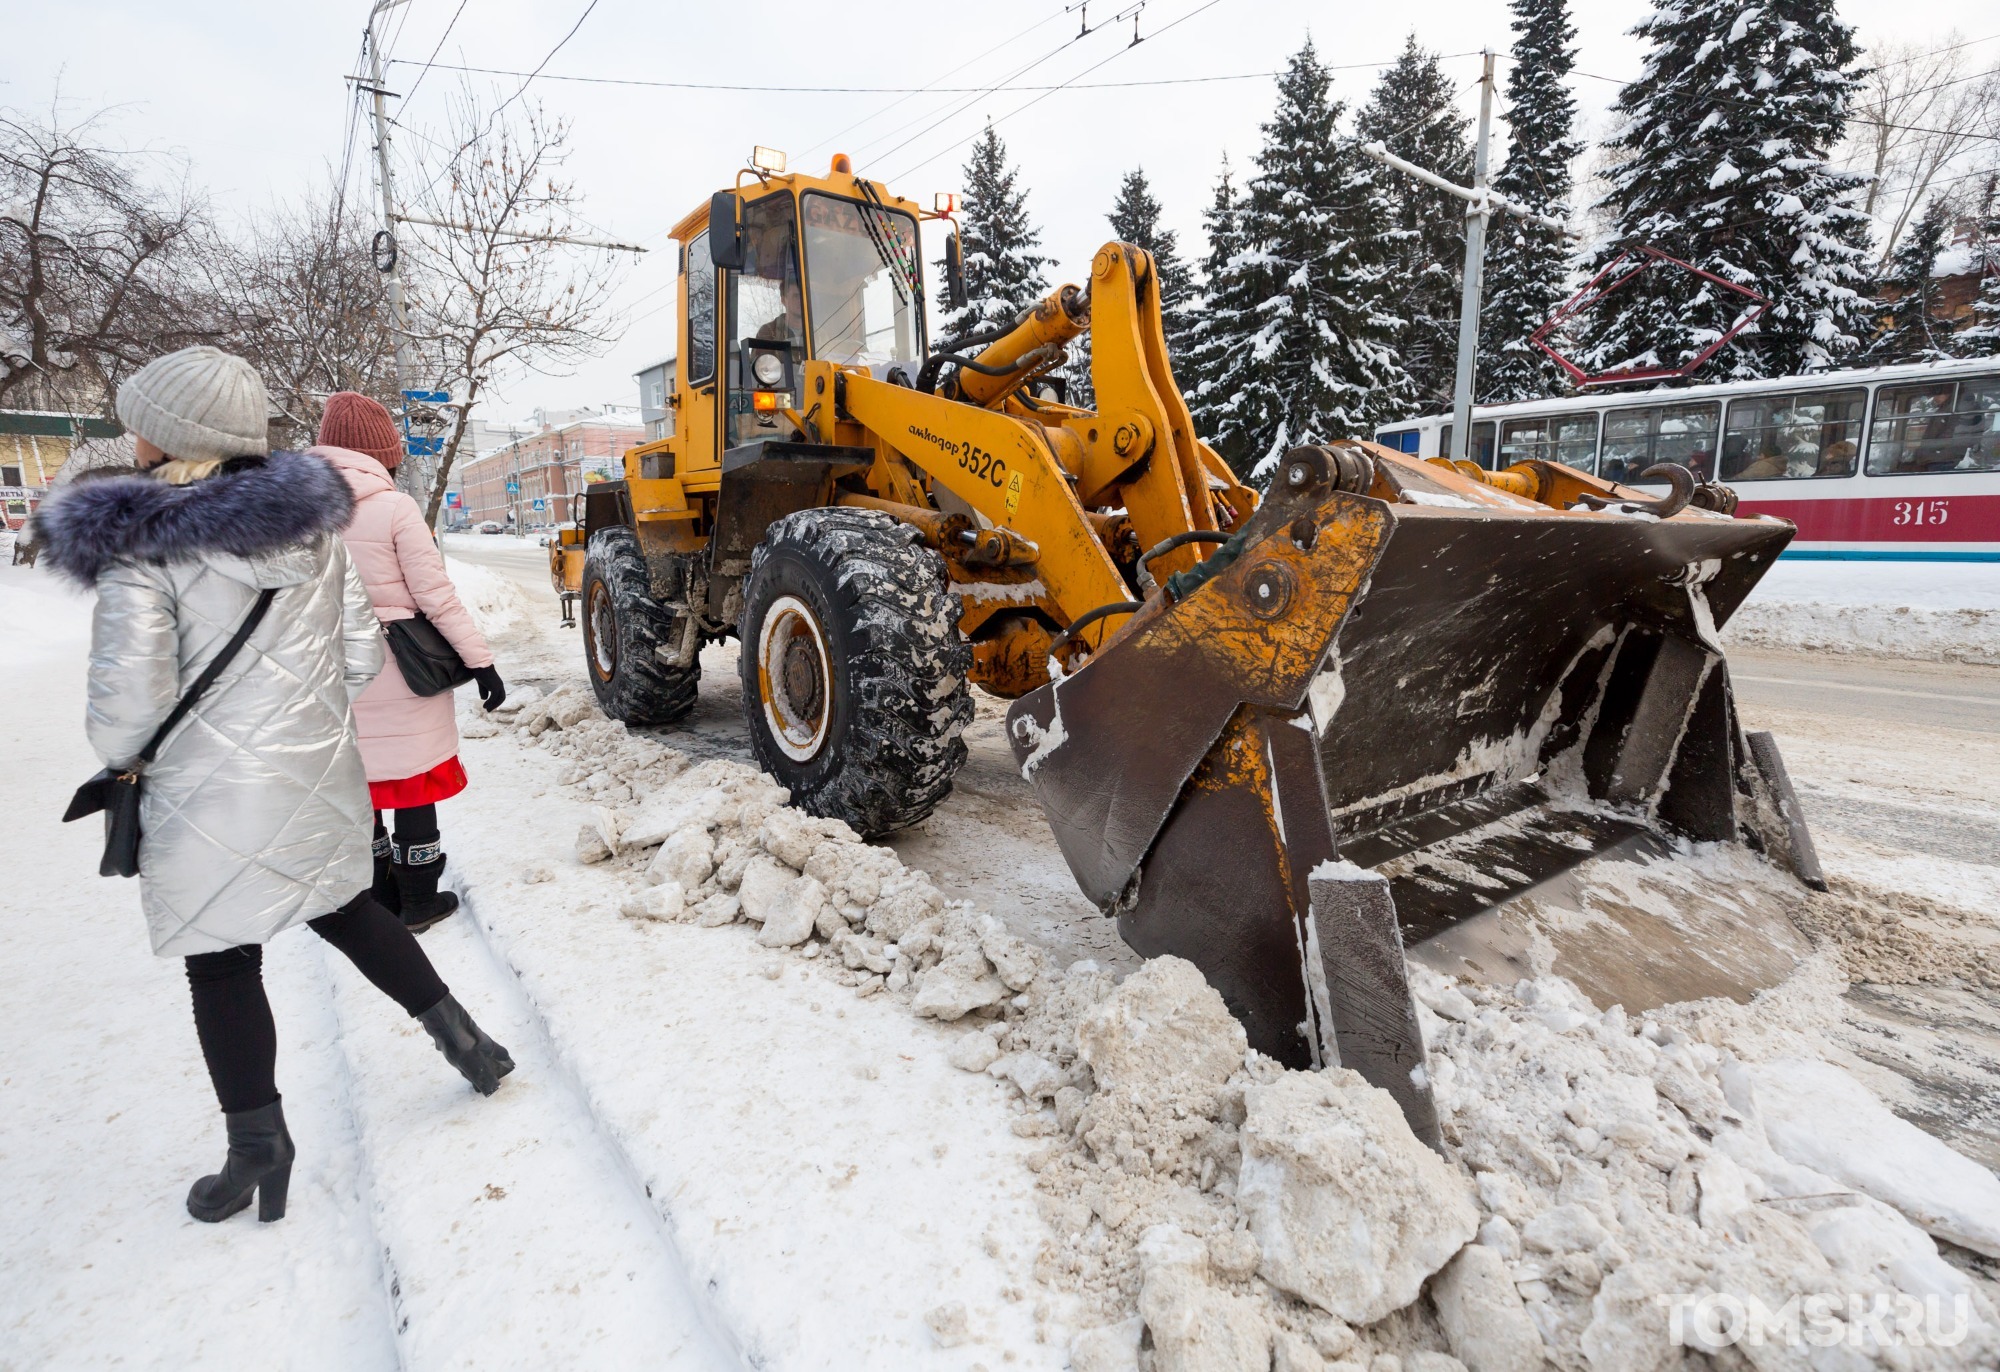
(355, 422)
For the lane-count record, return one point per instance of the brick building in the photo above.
(550, 465)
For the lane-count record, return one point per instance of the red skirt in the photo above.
(441, 782)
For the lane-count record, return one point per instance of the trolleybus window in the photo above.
(1570, 439)
(1402, 440)
(1482, 443)
(1635, 439)
(1805, 434)
(1936, 426)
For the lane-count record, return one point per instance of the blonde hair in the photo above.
(182, 471)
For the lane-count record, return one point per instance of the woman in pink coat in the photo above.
(409, 743)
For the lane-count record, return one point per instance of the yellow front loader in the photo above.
(1280, 735)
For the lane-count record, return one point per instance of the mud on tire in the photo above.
(854, 674)
(622, 626)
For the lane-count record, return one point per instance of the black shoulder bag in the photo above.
(117, 793)
(430, 665)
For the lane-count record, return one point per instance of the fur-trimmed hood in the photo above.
(244, 514)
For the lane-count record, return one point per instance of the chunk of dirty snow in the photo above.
(789, 921)
(791, 835)
(1164, 1031)
(1629, 1320)
(1564, 1229)
(974, 1052)
(949, 1325)
(1353, 1213)
(663, 902)
(1032, 1074)
(1482, 1315)
(686, 856)
(961, 983)
(765, 885)
(718, 910)
(1014, 959)
(669, 811)
(1196, 1326)
(591, 846)
(1818, 1116)
(1108, 1348)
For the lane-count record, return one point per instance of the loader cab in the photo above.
(789, 269)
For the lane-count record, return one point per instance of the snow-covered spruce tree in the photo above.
(1135, 219)
(1909, 329)
(1222, 320)
(1981, 338)
(1527, 266)
(1722, 162)
(1412, 113)
(1003, 272)
(1297, 343)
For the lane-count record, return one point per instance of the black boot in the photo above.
(260, 1160)
(384, 886)
(419, 867)
(465, 1045)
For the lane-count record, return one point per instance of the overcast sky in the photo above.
(252, 96)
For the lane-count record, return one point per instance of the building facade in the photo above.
(35, 445)
(534, 482)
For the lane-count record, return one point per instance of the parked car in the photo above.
(493, 526)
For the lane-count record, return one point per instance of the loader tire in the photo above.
(623, 625)
(854, 674)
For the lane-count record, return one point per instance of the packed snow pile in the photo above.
(1209, 1209)
(494, 601)
(1935, 612)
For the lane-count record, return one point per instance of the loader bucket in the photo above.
(1372, 721)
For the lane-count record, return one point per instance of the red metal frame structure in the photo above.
(1593, 291)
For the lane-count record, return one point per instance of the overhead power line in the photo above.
(431, 61)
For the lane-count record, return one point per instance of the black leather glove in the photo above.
(492, 690)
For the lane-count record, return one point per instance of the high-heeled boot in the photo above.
(466, 1046)
(419, 867)
(260, 1160)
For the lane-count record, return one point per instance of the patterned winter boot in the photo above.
(419, 867)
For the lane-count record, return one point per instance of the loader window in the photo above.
(1806, 434)
(862, 278)
(700, 272)
(1635, 439)
(1938, 426)
(1570, 439)
(765, 302)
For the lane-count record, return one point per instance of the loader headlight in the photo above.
(769, 369)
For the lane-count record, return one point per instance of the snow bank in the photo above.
(1237, 1214)
(1936, 612)
(494, 601)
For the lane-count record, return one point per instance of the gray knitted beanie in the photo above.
(198, 404)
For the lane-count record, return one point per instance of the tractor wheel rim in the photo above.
(603, 633)
(794, 678)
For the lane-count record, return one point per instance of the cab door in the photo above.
(697, 421)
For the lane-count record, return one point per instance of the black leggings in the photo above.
(416, 827)
(232, 1015)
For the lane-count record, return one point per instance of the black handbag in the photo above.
(117, 793)
(430, 665)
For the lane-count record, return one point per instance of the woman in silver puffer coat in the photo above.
(255, 813)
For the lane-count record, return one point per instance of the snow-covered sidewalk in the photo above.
(1931, 611)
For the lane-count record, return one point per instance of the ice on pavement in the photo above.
(1934, 611)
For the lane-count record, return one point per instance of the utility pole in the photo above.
(399, 322)
(1481, 204)
(1477, 213)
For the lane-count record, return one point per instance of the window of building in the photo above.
(1805, 434)
(1482, 443)
(1940, 426)
(1570, 439)
(11, 476)
(1637, 438)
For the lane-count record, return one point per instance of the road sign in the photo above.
(451, 500)
(540, 503)
(416, 445)
(513, 488)
(428, 397)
